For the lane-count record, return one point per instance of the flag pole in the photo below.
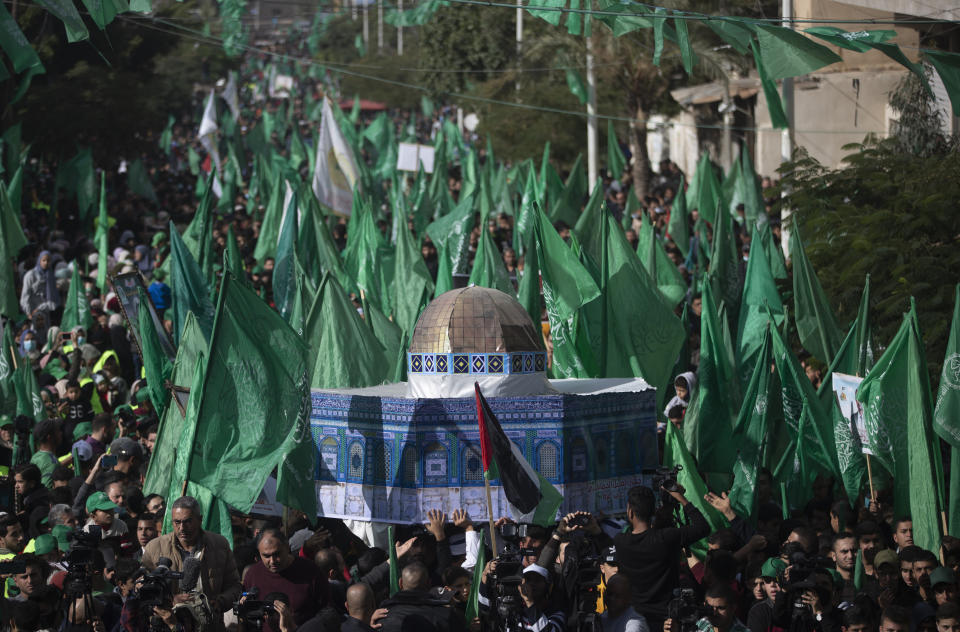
(873, 494)
(13, 357)
(493, 532)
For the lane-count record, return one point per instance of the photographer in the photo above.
(647, 554)
(278, 571)
(721, 605)
(219, 579)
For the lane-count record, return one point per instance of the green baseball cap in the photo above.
(59, 533)
(942, 575)
(772, 567)
(82, 430)
(886, 556)
(44, 544)
(99, 500)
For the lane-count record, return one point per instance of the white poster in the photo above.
(845, 389)
(411, 155)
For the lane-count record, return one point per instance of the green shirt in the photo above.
(47, 462)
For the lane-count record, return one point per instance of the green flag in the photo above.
(678, 228)
(166, 137)
(139, 182)
(748, 189)
(9, 301)
(488, 268)
(444, 272)
(232, 261)
(659, 265)
(284, 271)
(254, 402)
(567, 207)
(946, 420)
(708, 424)
(67, 13)
(644, 348)
(816, 326)
(394, 565)
(156, 365)
(724, 270)
(705, 190)
(750, 434)
(577, 87)
(76, 309)
(676, 453)
(346, 354)
(412, 284)
(368, 258)
(100, 238)
(17, 47)
(452, 232)
(189, 290)
(567, 285)
(760, 298)
(616, 161)
(8, 390)
(215, 514)
(13, 238)
(29, 402)
(193, 344)
(796, 392)
(763, 238)
(270, 227)
(473, 600)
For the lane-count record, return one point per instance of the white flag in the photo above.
(335, 172)
(208, 130)
(231, 96)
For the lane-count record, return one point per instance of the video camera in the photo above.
(581, 577)
(686, 610)
(664, 478)
(12, 567)
(506, 578)
(803, 569)
(251, 610)
(82, 560)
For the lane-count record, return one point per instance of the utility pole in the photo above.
(591, 117)
(379, 25)
(366, 25)
(786, 136)
(519, 38)
(400, 30)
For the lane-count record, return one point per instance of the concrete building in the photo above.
(837, 105)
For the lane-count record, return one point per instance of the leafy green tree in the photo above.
(112, 92)
(890, 211)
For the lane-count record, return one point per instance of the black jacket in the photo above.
(649, 560)
(416, 611)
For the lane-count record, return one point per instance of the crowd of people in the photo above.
(84, 548)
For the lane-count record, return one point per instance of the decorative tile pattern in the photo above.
(477, 363)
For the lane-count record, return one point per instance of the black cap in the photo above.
(44, 428)
(609, 556)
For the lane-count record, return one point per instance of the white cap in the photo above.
(539, 570)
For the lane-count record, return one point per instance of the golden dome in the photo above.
(475, 320)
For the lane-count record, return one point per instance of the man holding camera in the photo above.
(648, 556)
(278, 571)
(219, 579)
(721, 607)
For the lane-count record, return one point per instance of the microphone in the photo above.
(191, 574)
